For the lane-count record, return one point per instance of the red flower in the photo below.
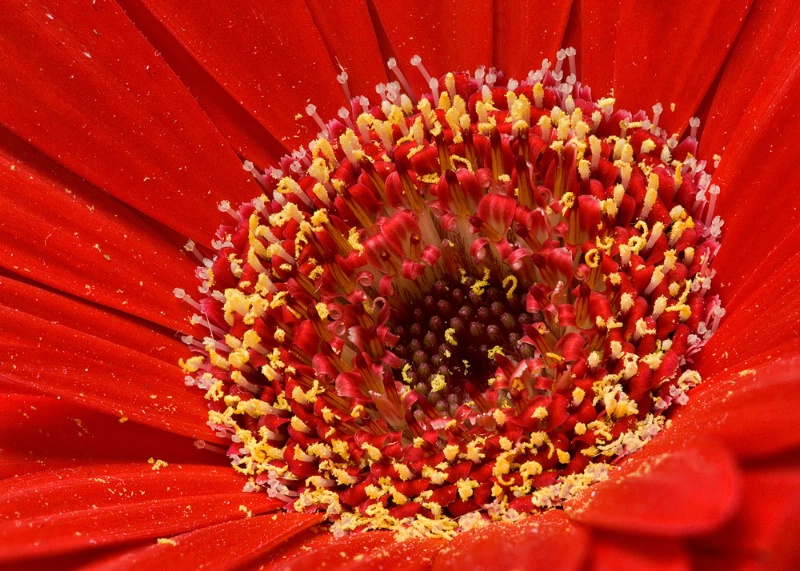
(121, 128)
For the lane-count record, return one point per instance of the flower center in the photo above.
(458, 308)
(448, 340)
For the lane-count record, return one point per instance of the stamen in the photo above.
(713, 190)
(342, 79)
(657, 110)
(225, 206)
(694, 123)
(416, 61)
(311, 111)
(344, 115)
(249, 167)
(392, 64)
(182, 295)
(560, 57)
(434, 85)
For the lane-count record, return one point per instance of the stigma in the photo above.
(457, 307)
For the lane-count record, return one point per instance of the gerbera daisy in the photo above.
(125, 125)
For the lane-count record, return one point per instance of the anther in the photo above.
(203, 320)
(434, 85)
(301, 155)
(480, 73)
(203, 445)
(190, 246)
(392, 91)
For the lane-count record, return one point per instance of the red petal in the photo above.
(347, 31)
(547, 541)
(680, 492)
(599, 25)
(786, 555)
(243, 132)
(752, 409)
(74, 238)
(90, 319)
(626, 552)
(54, 359)
(526, 32)
(83, 507)
(726, 562)
(769, 28)
(754, 288)
(768, 496)
(756, 198)
(228, 545)
(449, 35)
(365, 551)
(268, 56)
(687, 46)
(760, 319)
(45, 433)
(125, 124)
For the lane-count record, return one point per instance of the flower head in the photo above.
(125, 124)
(469, 306)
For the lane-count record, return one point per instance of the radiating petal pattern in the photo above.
(631, 553)
(686, 45)
(101, 250)
(758, 213)
(448, 35)
(228, 545)
(79, 508)
(364, 552)
(68, 435)
(57, 360)
(769, 29)
(533, 33)
(124, 124)
(273, 81)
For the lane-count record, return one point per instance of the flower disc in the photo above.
(460, 308)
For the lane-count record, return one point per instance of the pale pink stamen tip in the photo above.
(713, 190)
(311, 111)
(434, 85)
(416, 61)
(560, 57)
(694, 123)
(342, 79)
(392, 64)
(225, 206)
(571, 52)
